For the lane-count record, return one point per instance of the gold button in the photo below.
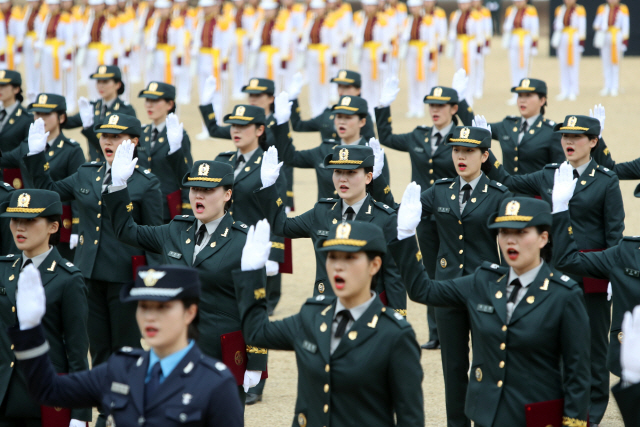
(459, 222)
(327, 368)
(326, 408)
(461, 265)
(460, 237)
(13, 309)
(326, 388)
(99, 215)
(431, 182)
(503, 346)
(461, 251)
(504, 328)
(500, 383)
(501, 364)
(97, 228)
(430, 160)
(430, 170)
(100, 202)
(516, 148)
(12, 364)
(97, 178)
(515, 169)
(515, 158)
(12, 346)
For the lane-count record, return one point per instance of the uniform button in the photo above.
(99, 215)
(13, 309)
(461, 251)
(141, 421)
(334, 134)
(460, 237)
(97, 228)
(11, 365)
(503, 346)
(183, 417)
(431, 182)
(516, 148)
(461, 265)
(504, 328)
(430, 170)
(100, 202)
(459, 222)
(327, 368)
(95, 242)
(326, 388)
(430, 160)
(113, 404)
(515, 158)
(326, 408)
(515, 169)
(12, 346)
(500, 383)
(501, 364)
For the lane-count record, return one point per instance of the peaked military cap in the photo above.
(48, 102)
(531, 86)
(441, 95)
(119, 123)
(107, 72)
(32, 203)
(354, 236)
(245, 115)
(578, 125)
(521, 212)
(158, 90)
(469, 136)
(208, 174)
(258, 86)
(10, 77)
(162, 283)
(348, 78)
(351, 105)
(350, 157)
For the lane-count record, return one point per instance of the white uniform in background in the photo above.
(101, 41)
(612, 35)
(569, 34)
(484, 17)
(521, 31)
(126, 25)
(244, 19)
(439, 21)
(56, 38)
(28, 40)
(186, 17)
(13, 29)
(291, 18)
(165, 44)
(397, 18)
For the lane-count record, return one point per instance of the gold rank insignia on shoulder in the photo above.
(373, 322)
(151, 276)
(226, 232)
(545, 285)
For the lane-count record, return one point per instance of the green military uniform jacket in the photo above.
(549, 325)
(245, 206)
(224, 132)
(118, 106)
(465, 240)
(7, 244)
(627, 399)
(324, 123)
(16, 129)
(316, 223)
(219, 312)
(620, 264)
(99, 255)
(596, 203)
(169, 169)
(425, 167)
(65, 326)
(373, 375)
(314, 158)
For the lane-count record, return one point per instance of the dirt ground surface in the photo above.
(277, 408)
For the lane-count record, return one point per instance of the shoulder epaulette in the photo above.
(531, 10)
(557, 11)
(6, 186)
(508, 11)
(72, 141)
(402, 7)
(177, 22)
(215, 366)
(227, 153)
(130, 351)
(388, 209)
(65, 17)
(552, 166)
(580, 10)
(330, 141)
(239, 225)
(398, 318)
(624, 9)
(92, 164)
(494, 268)
(186, 218)
(549, 123)
(440, 13)
(631, 238)
(9, 257)
(321, 300)
(500, 186)
(601, 8)
(327, 200)
(605, 171)
(563, 280)
(512, 118)
(297, 7)
(444, 180)
(145, 172)
(69, 266)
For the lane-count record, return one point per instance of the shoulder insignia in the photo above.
(327, 200)
(68, 265)
(227, 153)
(146, 173)
(423, 128)
(240, 226)
(631, 238)
(552, 166)
(386, 208)
(94, 163)
(606, 171)
(565, 278)
(187, 218)
(321, 299)
(130, 351)
(550, 123)
(499, 186)
(9, 257)
(445, 180)
(494, 268)
(220, 366)
(512, 118)
(398, 318)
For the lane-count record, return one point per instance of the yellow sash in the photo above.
(215, 60)
(270, 51)
(465, 40)
(419, 45)
(521, 33)
(570, 33)
(102, 48)
(55, 45)
(614, 44)
(372, 47)
(240, 33)
(321, 49)
(10, 58)
(167, 49)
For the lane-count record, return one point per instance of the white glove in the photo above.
(295, 87)
(67, 65)
(460, 83)
(630, 346)
(209, 90)
(598, 113)
(410, 211)
(123, 164)
(86, 112)
(251, 379)
(31, 302)
(77, 423)
(270, 169)
(282, 108)
(609, 291)
(564, 185)
(555, 39)
(378, 152)
(73, 241)
(37, 139)
(390, 90)
(255, 253)
(481, 122)
(272, 268)
(174, 133)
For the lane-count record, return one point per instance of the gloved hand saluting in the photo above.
(564, 185)
(30, 299)
(210, 88)
(282, 106)
(174, 133)
(378, 153)
(630, 346)
(255, 253)
(390, 91)
(598, 113)
(460, 83)
(481, 122)
(37, 138)
(123, 164)
(86, 112)
(410, 211)
(270, 169)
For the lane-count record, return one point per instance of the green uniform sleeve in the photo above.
(627, 399)
(152, 205)
(76, 159)
(287, 151)
(427, 198)
(405, 378)
(494, 130)
(299, 125)
(465, 113)
(602, 155)
(41, 179)
(209, 117)
(180, 162)
(11, 159)
(613, 213)
(385, 131)
(529, 184)
(393, 286)
(628, 170)
(367, 130)
(73, 122)
(252, 304)
(293, 228)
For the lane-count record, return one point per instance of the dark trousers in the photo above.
(429, 245)
(454, 327)
(599, 310)
(20, 422)
(274, 290)
(111, 324)
(241, 394)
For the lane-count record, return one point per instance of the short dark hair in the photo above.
(193, 333)
(592, 136)
(60, 113)
(369, 187)
(54, 239)
(371, 255)
(547, 251)
(262, 139)
(362, 116)
(227, 204)
(486, 166)
(19, 95)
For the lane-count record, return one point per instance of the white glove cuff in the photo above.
(560, 207)
(630, 376)
(403, 234)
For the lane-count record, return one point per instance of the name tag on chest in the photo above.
(175, 255)
(418, 149)
(485, 308)
(323, 233)
(119, 388)
(84, 190)
(140, 148)
(444, 210)
(309, 346)
(631, 272)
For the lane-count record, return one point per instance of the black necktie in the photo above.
(200, 234)
(27, 262)
(3, 114)
(103, 110)
(438, 139)
(523, 128)
(153, 384)
(239, 161)
(154, 134)
(516, 289)
(342, 324)
(350, 213)
(466, 193)
(576, 174)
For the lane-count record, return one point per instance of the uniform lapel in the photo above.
(175, 382)
(12, 118)
(11, 280)
(97, 183)
(188, 242)
(515, 131)
(366, 210)
(335, 213)
(538, 290)
(221, 236)
(252, 165)
(477, 195)
(587, 177)
(322, 330)
(136, 381)
(145, 141)
(498, 295)
(160, 142)
(442, 148)
(48, 268)
(531, 132)
(97, 109)
(361, 330)
(452, 193)
(55, 146)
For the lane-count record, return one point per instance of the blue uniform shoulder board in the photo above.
(215, 366)
(130, 351)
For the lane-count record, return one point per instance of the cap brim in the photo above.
(149, 95)
(202, 182)
(540, 219)
(636, 192)
(105, 76)
(355, 246)
(428, 100)
(340, 109)
(345, 166)
(125, 295)
(128, 131)
(53, 209)
(518, 89)
(253, 121)
(31, 109)
(562, 128)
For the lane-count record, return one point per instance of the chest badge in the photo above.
(186, 398)
(531, 299)
(499, 294)
(478, 374)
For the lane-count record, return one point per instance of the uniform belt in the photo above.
(270, 51)
(240, 34)
(522, 34)
(321, 49)
(10, 59)
(570, 33)
(102, 48)
(167, 49)
(373, 47)
(55, 44)
(215, 60)
(465, 39)
(32, 34)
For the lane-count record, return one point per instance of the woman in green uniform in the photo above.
(165, 148)
(528, 321)
(35, 224)
(627, 391)
(64, 156)
(105, 263)
(598, 226)
(211, 240)
(357, 360)
(14, 119)
(110, 86)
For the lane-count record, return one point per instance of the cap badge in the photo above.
(203, 169)
(240, 111)
(343, 231)
(344, 154)
(437, 91)
(512, 209)
(151, 276)
(341, 75)
(42, 99)
(253, 82)
(23, 200)
(113, 120)
(526, 82)
(153, 86)
(572, 121)
(346, 101)
(464, 133)
(102, 69)
(2, 73)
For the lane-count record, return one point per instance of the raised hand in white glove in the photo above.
(295, 87)
(251, 379)
(630, 346)
(273, 268)
(390, 90)
(270, 169)
(282, 108)
(410, 211)
(77, 423)
(73, 241)
(174, 133)
(210, 88)
(255, 253)
(481, 122)
(30, 299)
(598, 113)
(564, 185)
(460, 83)
(378, 153)
(37, 138)
(86, 112)
(123, 164)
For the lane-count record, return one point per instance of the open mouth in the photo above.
(342, 129)
(108, 152)
(462, 166)
(512, 254)
(344, 188)
(20, 238)
(435, 117)
(339, 281)
(236, 139)
(570, 150)
(199, 207)
(150, 331)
